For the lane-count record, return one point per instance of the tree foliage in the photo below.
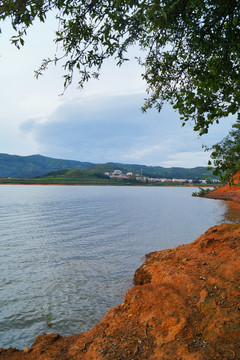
(202, 192)
(192, 47)
(226, 154)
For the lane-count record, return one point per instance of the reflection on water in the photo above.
(232, 211)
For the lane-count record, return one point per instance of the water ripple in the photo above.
(69, 253)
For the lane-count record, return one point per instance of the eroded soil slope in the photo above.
(185, 305)
(227, 192)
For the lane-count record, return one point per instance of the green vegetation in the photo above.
(92, 176)
(72, 177)
(47, 315)
(202, 192)
(159, 171)
(191, 49)
(14, 166)
(22, 167)
(226, 154)
(68, 177)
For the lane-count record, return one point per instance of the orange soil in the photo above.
(185, 305)
(227, 192)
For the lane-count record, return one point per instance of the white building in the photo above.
(117, 172)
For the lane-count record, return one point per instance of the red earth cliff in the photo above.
(227, 192)
(185, 305)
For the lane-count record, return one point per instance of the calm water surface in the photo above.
(68, 253)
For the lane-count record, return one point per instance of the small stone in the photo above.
(27, 349)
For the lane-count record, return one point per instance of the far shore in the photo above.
(118, 185)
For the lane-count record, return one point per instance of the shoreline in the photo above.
(118, 185)
(227, 192)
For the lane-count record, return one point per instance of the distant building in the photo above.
(179, 180)
(141, 178)
(117, 172)
(129, 174)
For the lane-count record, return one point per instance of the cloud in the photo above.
(187, 159)
(113, 128)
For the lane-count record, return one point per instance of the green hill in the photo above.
(14, 166)
(161, 172)
(91, 176)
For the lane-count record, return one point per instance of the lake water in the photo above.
(68, 253)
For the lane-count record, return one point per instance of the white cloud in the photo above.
(102, 129)
(187, 159)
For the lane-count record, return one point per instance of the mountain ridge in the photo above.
(30, 166)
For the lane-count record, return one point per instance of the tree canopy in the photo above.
(192, 47)
(226, 154)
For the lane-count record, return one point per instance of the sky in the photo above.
(101, 123)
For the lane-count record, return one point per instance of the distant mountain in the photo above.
(14, 166)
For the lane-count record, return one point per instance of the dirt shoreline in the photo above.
(227, 192)
(185, 305)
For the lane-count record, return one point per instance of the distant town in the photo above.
(130, 175)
